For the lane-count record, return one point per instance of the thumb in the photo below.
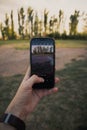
(34, 79)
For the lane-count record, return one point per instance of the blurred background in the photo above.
(53, 18)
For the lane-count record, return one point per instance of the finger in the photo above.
(57, 80)
(27, 75)
(34, 79)
(51, 91)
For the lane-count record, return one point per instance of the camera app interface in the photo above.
(43, 60)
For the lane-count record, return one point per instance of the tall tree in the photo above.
(74, 22)
(36, 24)
(40, 27)
(19, 30)
(51, 25)
(30, 20)
(55, 22)
(3, 32)
(85, 23)
(21, 19)
(22, 16)
(45, 19)
(6, 26)
(12, 25)
(60, 20)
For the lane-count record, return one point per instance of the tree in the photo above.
(36, 24)
(21, 18)
(19, 30)
(40, 27)
(6, 28)
(85, 23)
(2, 31)
(13, 36)
(60, 20)
(51, 25)
(55, 21)
(30, 20)
(74, 23)
(45, 19)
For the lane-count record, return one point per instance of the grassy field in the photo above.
(71, 43)
(24, 44)
(66, 110)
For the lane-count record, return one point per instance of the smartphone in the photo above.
(42, 61)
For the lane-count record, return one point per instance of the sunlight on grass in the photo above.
(25, 44)
(71, 43)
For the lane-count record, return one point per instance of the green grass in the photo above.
(7, 42)
(8, 88)
(71, 43)
(24, 44)
(66, 110)
(17, 44)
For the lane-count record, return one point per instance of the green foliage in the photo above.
(21, 18)
(45, 19)
(30, 25)
(74, 22)
(30, 21)
(36, 25)
(85, 23)
(12, 27)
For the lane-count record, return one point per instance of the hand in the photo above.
(27, 98)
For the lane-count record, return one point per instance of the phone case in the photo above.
(42, 61)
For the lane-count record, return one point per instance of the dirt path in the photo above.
(14, 61)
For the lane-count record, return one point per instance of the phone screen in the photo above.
(43, 60)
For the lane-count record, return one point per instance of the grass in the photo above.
(66, 110)
(71, 43)
(8, 88)
(17, 44)
(24, 44)
(8, 42)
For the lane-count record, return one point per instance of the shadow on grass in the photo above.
(66, 110)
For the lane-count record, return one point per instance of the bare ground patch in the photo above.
(14, 61)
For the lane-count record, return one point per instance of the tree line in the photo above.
(30, 25)
(42, 50)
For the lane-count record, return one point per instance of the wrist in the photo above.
(11, 120)
(17, 113)
(16, 110)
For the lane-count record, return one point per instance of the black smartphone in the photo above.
(42, 61)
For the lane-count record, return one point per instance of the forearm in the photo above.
(6, 127)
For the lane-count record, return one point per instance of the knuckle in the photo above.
(34, 76)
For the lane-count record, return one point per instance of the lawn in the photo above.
(24, 44)
(17, 44)
(66, 110)
(71, 43)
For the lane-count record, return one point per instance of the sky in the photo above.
(68, 6)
